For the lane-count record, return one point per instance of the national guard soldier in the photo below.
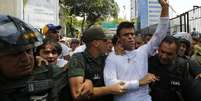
(19, 80)
(85, 69)
(173, 72)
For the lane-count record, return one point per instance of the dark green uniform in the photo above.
(83, 64)
(45, 83)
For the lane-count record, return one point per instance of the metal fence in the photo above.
(187, 21)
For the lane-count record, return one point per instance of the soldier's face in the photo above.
(182, 49)
(17, 64)
(167, 52)
(102, 46)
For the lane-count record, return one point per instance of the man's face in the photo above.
(49, 53)
(109, 46)
(73, 46)
(138, 42)
(126, 38)
(167, 52)
(17, 64)
(182, 49)
(53, 35)
(147, 38)
(102, 46)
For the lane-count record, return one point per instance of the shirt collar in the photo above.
(89, 57)
(130, 52)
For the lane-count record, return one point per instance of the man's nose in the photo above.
(164, 56)
(50, 54)
(130, 36)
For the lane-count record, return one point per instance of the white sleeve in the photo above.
(65, 49)
(158, 36)
(110, 75)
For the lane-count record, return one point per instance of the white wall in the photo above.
(12, 7)
(38, 13)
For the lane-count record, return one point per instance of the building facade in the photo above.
(37, 13)
(12, 7)
(154, 10)
(146, 11)
(134, 9)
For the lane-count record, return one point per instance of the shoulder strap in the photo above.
(187, 75)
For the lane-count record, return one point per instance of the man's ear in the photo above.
(95, 43)
(118, 41)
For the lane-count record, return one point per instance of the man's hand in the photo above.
(198, 76)
(164, 3)
(41, 61)
(86, 88)
(149, 78)
(165, 8)
(118, 88)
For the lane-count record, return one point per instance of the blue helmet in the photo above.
(16, 36)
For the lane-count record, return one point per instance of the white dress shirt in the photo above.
(133, 66)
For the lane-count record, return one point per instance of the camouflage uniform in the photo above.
(83, 64)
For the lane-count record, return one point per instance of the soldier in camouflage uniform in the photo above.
(85, 70)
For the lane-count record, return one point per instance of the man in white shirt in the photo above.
(132, 67)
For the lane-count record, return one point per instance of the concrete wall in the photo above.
(12, 7)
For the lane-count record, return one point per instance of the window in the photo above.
(153, 2)
(154, 7)
(154, 11)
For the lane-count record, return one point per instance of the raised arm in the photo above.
(162, 28)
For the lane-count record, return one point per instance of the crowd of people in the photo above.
(123, 67)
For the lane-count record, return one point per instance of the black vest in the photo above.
(172, 77)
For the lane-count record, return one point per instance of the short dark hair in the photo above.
(170, 40)
(114, 39)
(57, 46)
(125, 24)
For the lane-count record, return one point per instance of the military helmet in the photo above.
(184, 37)
(16, 36)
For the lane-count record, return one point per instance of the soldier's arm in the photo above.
(75, 85)
(81, 88)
